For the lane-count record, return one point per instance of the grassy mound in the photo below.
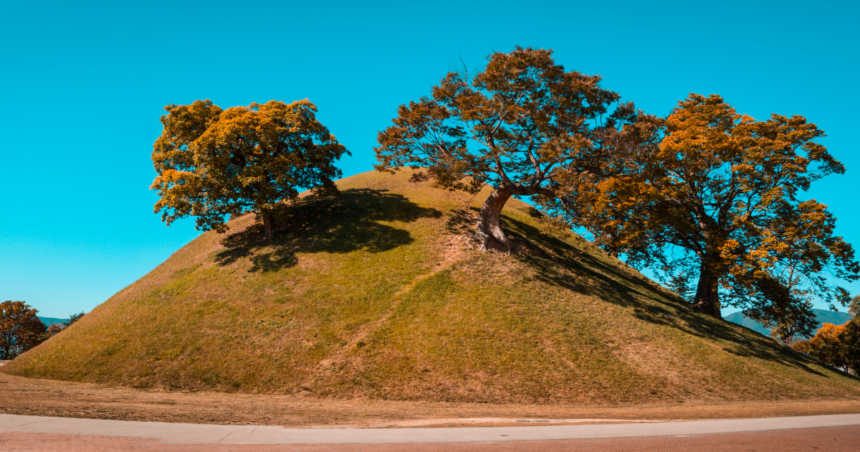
(379, 294)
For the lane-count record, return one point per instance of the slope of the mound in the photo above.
(380, 294)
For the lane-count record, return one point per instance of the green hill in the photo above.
(380, 294)
(821, 315)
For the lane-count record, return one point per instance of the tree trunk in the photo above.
(707, 293)
(489, 229)
(268, 224)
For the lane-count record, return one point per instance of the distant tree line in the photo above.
(708, 198)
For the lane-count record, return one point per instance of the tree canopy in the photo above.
(20, 328)
(836, 345)
(517, 126)
(214, 163)
(850, 340)
(827, 346)
(719, 195)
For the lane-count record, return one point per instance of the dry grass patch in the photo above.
(34, 397)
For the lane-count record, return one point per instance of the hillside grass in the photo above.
(379, 294)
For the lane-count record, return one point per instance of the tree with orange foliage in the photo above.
(836, 345)
(520, 126)
(213, 164)
(827, 346)
(720, 196)
(20, 328)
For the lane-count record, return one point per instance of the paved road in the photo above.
(167, 433)
(830, 439)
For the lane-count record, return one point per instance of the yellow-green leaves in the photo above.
(213, 163)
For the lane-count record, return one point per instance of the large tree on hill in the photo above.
(215, 163)
(19, 327)
(721, 193)
(517, 126)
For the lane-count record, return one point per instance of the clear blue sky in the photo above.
(83, 84)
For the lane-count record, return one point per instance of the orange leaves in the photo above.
(699, 134)
(171, 176)
(828, 345)
(19, 327)
(215, 163)
(837, 345)
(523, 125)
(517, 123)
(724, 188)
(829, 333)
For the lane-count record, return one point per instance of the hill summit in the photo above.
(379, 293)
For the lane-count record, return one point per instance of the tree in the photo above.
(781, 303)
(55, 329)
(826, 346)
(854, 306)
(803, 347)
(850, 339)
(680, 284)
(724, 189)
(20, 328)
(74, 318)
(836, 345)
(214, 163)
(612, 209)
(520, 126)
(787, 321)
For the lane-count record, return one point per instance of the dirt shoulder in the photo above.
(64, 399)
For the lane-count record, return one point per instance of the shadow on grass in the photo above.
(609, 282)
(341, 224)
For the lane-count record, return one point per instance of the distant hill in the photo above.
(822, 315)
(379, 294)
(48, 321)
